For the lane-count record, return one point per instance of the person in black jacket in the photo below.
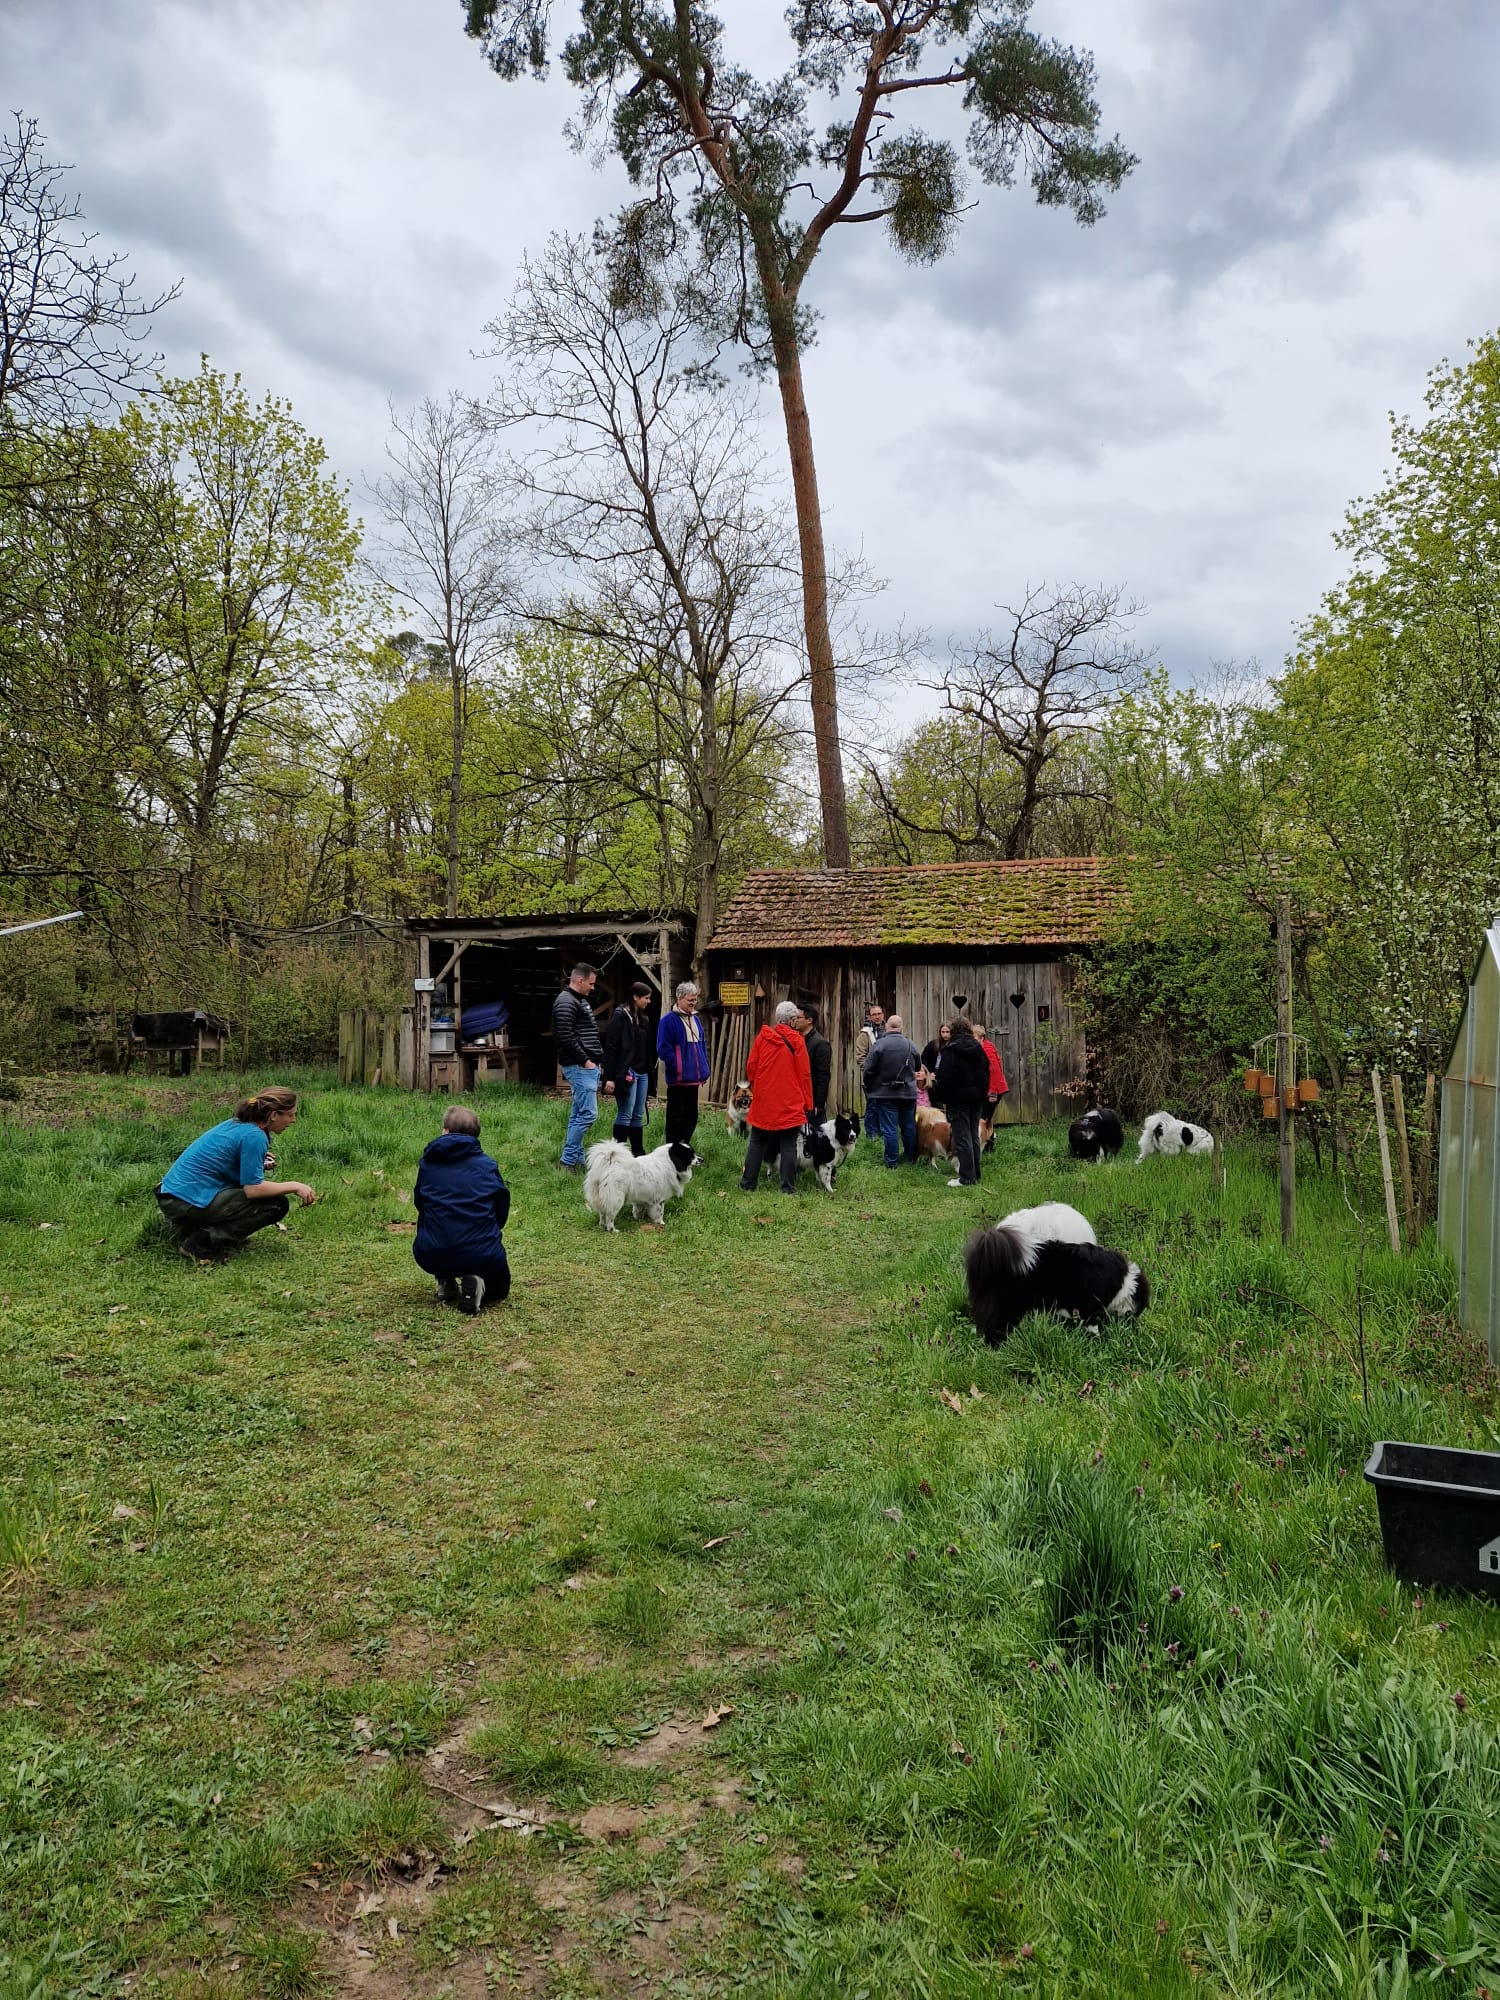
(819, 1057)
(580, 1052)
(961, 1084)
(630, 1064)
(462, 1204)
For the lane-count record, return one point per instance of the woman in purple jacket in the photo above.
(683, 1047)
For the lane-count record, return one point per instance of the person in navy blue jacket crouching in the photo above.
(462, 1204)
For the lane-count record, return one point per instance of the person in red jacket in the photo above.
(781, 1101)
(998, 1085)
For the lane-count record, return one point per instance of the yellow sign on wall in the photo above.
(734, 992)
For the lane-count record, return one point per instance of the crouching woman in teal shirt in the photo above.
(216, 1193)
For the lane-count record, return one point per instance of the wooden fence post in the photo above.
(1403, 1150)
(1424, 1165)
(1392, 1226)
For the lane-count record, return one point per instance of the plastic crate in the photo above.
(1439, 1514)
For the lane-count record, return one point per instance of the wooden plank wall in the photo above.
(1041, 1058)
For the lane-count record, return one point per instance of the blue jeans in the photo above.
(631, 1108)
(584, 1084)
(896, 1121)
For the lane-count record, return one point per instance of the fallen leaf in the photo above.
(716, 1715)
(49, 1225)
(361, 1726)
(286, 1295)
(122, 1511)
(589, 1506)
(403, 1195)
(368, 1904)
(395, 1228)
(392, 1928)
(717, 1542)
(572, 1583)
(115, 1309)
(283, 1228)
(955, 1403)
(347, 1179)
(891, 1513)
(519, 1368)
(976, 1392)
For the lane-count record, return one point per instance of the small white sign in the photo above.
(423, 985)
(1489, 1558)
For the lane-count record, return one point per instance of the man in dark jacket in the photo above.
(462, 1204)
(891, 1091)
(630, 1064)
(575, 1033)
(961, 1084)
(819, 1057)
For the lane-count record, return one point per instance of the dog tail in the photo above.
(995, 1262)
(600, 1159)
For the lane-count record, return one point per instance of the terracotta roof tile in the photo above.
(1044, 903)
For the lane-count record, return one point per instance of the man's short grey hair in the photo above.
(895, 1021)
(687, 986)
(786, 1012)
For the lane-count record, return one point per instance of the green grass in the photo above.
(1097, 1685)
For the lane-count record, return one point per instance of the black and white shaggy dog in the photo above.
(825, 1147)
(616, 1177)
(1046, 1260)
(1162, 1133)
(1097, 1135)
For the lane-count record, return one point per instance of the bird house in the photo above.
(1307, 1090)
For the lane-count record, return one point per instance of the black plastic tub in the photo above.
(1439, 1514)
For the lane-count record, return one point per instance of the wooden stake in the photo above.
(1286, 1154)
(1424, 1168)
(1398, 1105)
(1218, 1165)
(1385, 1162)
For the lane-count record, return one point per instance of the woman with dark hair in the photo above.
(630, 1064)
(961, 1084)
(215, 1193)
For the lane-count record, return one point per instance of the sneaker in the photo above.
(471, 1292)
(571, 1166)
(955, 1182)
(195, 1247)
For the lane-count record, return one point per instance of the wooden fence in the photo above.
(376, 1047)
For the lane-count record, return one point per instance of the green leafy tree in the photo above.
(740, 161)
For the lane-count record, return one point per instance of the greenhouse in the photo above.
(1469, 1170)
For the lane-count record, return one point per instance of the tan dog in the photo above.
(737, 1116)
(935, 1135)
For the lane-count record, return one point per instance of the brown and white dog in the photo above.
(935, 1135)
(737, 1116)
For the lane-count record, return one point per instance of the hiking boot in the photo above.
(447, 1291)
(471, 1292)
(196, 1247)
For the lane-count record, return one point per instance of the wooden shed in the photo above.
(995, 940)
(469, 970)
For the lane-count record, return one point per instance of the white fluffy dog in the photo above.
(616, 1177)
(1165, 1134)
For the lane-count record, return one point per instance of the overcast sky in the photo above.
(1180, 401)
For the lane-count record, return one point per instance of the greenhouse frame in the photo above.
(1469, 1163)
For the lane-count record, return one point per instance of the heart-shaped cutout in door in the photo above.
(1018, 999)
(960, 1001)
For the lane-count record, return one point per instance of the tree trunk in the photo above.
(455, 785)
(823, 684)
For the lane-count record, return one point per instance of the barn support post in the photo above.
(1286, 1155)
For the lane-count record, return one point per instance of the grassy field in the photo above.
(717, 1615)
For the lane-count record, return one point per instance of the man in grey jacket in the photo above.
(891, 1091)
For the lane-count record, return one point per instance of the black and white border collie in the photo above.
(1097, 1135)
(616, 1177)
(1163, 1133)
(825, 1147)
(1046, 1259)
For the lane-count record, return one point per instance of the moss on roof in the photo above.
(1041, 903)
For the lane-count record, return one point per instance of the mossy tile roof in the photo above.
(971, 903)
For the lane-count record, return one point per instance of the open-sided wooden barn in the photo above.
(996, 940)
